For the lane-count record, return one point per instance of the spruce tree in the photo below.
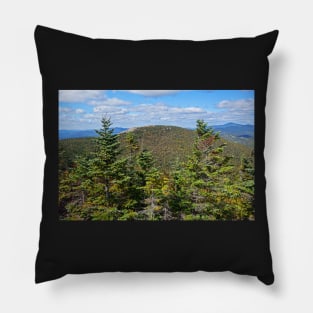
(208, 175)
(107, 150)
(132, 145)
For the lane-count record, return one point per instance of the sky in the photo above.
(83, 109)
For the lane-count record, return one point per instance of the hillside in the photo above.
(167, 144)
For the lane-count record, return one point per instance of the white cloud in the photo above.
(90, 115)
(79, 111)
(243, 105)
(161, 108)
(109, 110)
(189, 110)
(80, 95)
(64, 109)
(153, 93)
(237, 111)
(108, 101)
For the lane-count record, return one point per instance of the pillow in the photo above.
(157, 179)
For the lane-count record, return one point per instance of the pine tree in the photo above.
(106, 155)
(151, 184)
(132, 145)
(128, 181)
(75, 188)
(145, 161)
(177, 198)
(208, 175)
(153, 191)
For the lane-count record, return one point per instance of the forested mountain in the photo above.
(155, 173)
(168, 144)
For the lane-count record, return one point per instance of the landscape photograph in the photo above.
(156, 155)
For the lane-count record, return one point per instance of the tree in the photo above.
(76, 188)
(132, 145)
(106, 154)
(208, 175)
(152, 189)
(177, 200)
(145, 161)
(128, 181)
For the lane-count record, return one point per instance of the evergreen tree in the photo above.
(105, 157)
(151, 184)
(175, 197)
(132, 145)
(152, 189)
(145, 161)
(75, 188)
(208, 171)
(129, 181)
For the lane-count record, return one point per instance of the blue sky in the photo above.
(83, 109)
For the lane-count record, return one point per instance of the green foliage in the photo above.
(145, 161)
(167, 144)
(155, 173)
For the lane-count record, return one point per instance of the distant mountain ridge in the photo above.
(68, 133)
(243, 134)
(236, 129)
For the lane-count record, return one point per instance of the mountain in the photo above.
(238, 133)
(168, 144)
(235, 129)
(66, 134)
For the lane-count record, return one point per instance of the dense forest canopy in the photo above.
(155, 173)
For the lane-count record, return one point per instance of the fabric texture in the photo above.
(72, 63)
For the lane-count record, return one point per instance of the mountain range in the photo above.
(238, 133)
(72, 133)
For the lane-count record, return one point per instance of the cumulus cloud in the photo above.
(80, 95)
(79, 111)
(90, 115)
(108, 101)
(243, 104)
(238, 111)
(153, 113)
(64, 110)
(161, 108)
(153, 93)
(109, 110)
(188, 110)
